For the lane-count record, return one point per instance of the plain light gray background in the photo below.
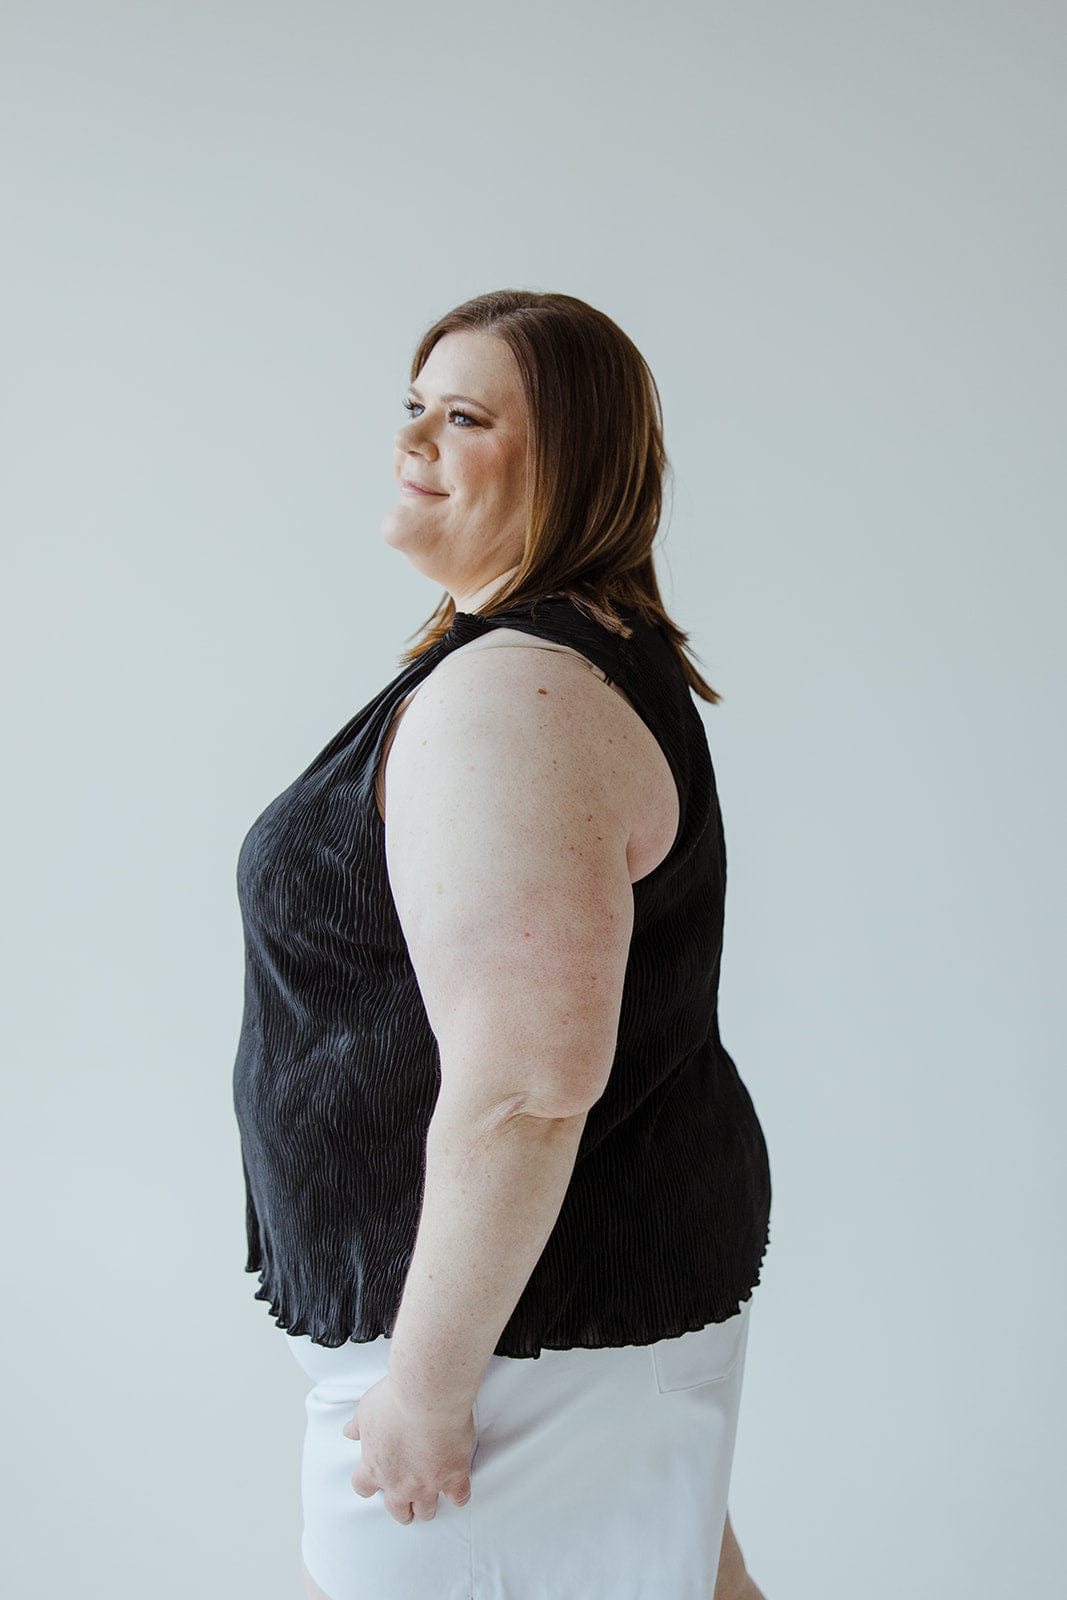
(837, 234)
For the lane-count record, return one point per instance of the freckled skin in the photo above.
(465, 706)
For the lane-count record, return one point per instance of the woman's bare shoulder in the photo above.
(547, 696)
(500, 679)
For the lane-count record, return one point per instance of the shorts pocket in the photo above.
(704, 1355)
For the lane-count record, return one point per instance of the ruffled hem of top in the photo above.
(298, 1323)
(324, 1332)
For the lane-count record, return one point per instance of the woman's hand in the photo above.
(410, 1453)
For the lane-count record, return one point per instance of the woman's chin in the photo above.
(393, 529)
(403, 517)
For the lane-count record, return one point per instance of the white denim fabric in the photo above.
(596, 1475)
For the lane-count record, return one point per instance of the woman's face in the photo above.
(471, 452)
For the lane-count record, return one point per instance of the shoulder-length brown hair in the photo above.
(595, 464)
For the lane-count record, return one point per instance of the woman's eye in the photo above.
(411, 406)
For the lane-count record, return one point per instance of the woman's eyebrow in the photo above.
(447, 398)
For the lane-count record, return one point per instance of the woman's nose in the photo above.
(409, 441)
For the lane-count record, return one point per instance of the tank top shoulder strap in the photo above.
(557, 620)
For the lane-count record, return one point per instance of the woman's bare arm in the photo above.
(506, 842)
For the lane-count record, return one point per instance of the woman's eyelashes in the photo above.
(411, 406)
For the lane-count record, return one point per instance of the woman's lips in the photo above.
(415, 488)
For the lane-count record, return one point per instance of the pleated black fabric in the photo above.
(665, 1222)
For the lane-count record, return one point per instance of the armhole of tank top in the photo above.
(393, 723)
(574, 650)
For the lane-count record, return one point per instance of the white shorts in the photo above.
(595, 1475)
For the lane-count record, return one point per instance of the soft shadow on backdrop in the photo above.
(838, 240)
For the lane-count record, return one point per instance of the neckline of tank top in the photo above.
(464, 621)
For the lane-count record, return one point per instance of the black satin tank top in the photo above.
(665, 1222)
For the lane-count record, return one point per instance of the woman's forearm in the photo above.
(495, 1183)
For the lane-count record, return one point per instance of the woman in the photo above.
(507, 1192)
